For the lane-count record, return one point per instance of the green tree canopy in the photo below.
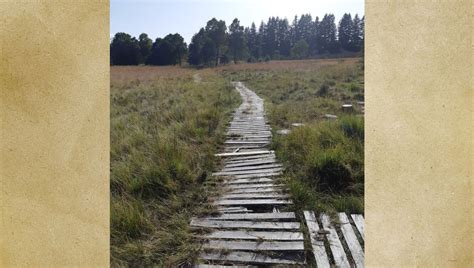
(145, 44)
(124, 50)
(300, 49)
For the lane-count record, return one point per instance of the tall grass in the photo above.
(164, 132)
(325, 165)
(324, 160)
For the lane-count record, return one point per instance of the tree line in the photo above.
(217, 44)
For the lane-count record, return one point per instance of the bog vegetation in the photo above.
(164, 131)
(217, 44)
(166, 125)
(323, 158)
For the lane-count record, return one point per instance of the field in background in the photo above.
(167, 122)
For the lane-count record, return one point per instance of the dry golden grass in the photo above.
(146, 74)
(289, 64)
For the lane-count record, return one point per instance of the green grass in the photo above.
(164, 132)
(324, 160)
(165, 129)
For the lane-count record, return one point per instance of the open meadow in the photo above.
(168, 122)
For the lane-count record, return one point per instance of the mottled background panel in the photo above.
(54, 133)
(54, 196)
(419, 129)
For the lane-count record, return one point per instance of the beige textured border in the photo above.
(419, 129)
(54, 74)
(54, 195)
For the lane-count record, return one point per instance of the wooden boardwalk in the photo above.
(255, 226)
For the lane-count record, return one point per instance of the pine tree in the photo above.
(236, 40)
(346, 32)
(252, 41)
(216, 31)
(357, 34)
(328, 41)
(313, 44)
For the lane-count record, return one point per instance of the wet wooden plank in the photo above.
(254, 246)
(255, 216)
(351, 240)
(256, 235)
(359, 223)
(317, 243)
(248, 257)
(244, 224)
(254, 202)
(337, 250)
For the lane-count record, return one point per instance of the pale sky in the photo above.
(158, 18)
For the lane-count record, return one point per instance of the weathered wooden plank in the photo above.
(237, 211)
(337, 250)
(251, 245)
(253, 186)
(252, 173)
(248, 128)
(359, 223)
(255, 216)
(226, 169)
(351, 240)
(232, 202)
(248, 257)
(221, 266)
(263, 136)
(245, 153)
(251, 163)
(255, 196)
(319, 251)
(242, 148)
(256, 235)
(245, 181)
(261, 175)
(237, 160)
(261, 142)
(256, 190)
(249, 133)
(245, 224)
